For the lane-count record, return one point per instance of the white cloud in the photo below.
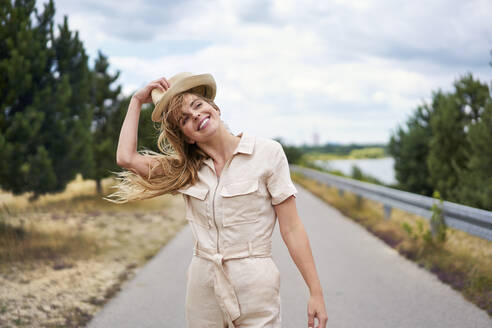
(350, 70)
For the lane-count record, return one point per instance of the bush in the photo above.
(437, 222)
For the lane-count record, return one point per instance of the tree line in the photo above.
(58, 115)
(446, 145)
(341, 149)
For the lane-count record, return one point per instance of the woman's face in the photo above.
(199, 120)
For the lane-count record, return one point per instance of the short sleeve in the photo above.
(279, 183)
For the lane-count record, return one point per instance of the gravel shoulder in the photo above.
(67, 290)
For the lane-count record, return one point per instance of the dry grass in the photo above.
(464, 261)
(37, 241)
(78, 195)
(43, 229)
(77, 187)
(63, 256)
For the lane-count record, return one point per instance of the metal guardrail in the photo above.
(469, 219)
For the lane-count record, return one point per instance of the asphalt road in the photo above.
(365, 282)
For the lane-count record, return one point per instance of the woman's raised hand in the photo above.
(144, 95)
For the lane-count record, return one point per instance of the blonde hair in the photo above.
(179, 160)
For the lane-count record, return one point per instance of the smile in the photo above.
(204, 123)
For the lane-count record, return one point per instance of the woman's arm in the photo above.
(295, 238)
(127, 143)
(126, 153)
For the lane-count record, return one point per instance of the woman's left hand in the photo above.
(317, 308)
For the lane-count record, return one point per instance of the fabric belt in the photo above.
(223, 288)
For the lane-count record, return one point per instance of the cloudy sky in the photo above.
(349, 71)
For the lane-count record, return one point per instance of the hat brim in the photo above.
(203, 84)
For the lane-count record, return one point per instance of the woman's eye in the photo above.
(199, 104)
(183, 120)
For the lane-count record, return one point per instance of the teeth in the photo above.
(203, 123)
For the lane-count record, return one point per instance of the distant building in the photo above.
(315, 139)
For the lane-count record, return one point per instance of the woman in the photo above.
(234, 188)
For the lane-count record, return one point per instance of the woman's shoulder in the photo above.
(264, 143)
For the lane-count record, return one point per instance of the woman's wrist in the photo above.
(136, 100)
(316, 293)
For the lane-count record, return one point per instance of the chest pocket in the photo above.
(197, 205)
(240, 202)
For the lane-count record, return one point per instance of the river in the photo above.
(380, 168)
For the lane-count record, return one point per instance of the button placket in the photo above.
(214, 206)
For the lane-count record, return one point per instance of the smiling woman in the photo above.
(151, 174)
(234, 187)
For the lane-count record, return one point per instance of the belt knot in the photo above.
(217, 258)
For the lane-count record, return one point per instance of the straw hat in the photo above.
(203, 84)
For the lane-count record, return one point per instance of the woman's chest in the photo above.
(237, 196)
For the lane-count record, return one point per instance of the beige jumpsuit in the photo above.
(232, 280)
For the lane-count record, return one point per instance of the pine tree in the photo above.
(447, 145)
(24, 84)
(69, 135)
(105, 105)
(44, 114)
(452, 117)
(409, 149)
(475, 180)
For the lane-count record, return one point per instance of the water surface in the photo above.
(380, 168)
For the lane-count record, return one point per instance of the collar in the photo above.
(245, 146)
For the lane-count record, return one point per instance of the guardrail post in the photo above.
(387, 211)
(359, 201)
